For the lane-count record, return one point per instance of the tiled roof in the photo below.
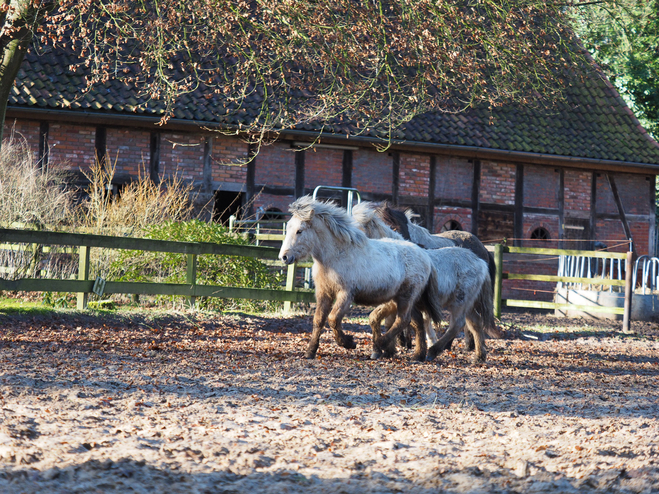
(591, 121)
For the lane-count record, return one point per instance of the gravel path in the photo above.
(199, 403)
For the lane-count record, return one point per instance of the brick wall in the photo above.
(228, 159)
(323, 167)
(372, 171)
(497, 183)
(182, 154)
(275, 166)
(546, 221)
(267, 201)
(541, 186)
(72, 145)
(454, 178)
(24, 132)
(634, 193)
(577, 193)
(414, 175)
(130, 150)
(444, 214)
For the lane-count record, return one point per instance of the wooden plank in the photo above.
(498, 263)
(565, 279)
(72, 286)
(128, 243)
(277, 237)
(534, 304)
(290, 284)
(566, 252)
(83, 275)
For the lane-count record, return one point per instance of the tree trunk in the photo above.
(16, 31)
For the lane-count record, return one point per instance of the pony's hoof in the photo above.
(349, 343)
(376, 356)
(430, 356)
(310, 356)
(419, 357)
(478, 360)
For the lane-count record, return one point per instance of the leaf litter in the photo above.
(206, 403)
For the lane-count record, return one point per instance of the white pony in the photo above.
(463, 281)
(401, 222)
(349, 267)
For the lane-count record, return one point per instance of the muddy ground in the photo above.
(192, 402)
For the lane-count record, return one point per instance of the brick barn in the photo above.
(581, 171)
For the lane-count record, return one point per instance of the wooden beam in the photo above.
(430, 217)
(395, 181)
(299, 173)
(475, 196)
(621, 210)
(518, 219)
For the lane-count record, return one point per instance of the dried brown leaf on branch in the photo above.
(280, 64)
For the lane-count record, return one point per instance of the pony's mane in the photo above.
(337, 220)
(396, 219)
(367, 216)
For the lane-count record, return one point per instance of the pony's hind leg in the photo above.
(475, 329)
(323, 305)
(341, 307)
(387, 341)
(420, 344)
(456, 323)
(384, 311)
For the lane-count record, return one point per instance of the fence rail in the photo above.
(499, 250)
(83, 286)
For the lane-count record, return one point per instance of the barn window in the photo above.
(540, 233)
(451, 225)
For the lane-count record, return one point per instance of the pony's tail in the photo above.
(431, 297)
(491, 267)
(485, 307)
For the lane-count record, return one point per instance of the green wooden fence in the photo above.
(499, 302)
(83, 286)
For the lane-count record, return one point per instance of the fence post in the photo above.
(290, 284)
(83, 275)
(629, 292)
(191, 277)
(498, 279)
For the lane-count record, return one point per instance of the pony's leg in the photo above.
(323, 306)
(420, 344)
(341, 307)
(456, 323)
(384, 311)
(404, 339)
(403, 319)
(475, 328)
(469, 339)
(431, 332)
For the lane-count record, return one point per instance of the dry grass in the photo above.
(30, 194)
(141, 202)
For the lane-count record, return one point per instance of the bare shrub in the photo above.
(141, 202)
(30, 194)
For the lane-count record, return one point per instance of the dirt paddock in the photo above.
(200, 403)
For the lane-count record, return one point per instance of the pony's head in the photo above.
(317, 226)
(367, 216)
(396, 219)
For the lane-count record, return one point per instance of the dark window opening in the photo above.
(227, 204)
(451, 225)
(540, 234)
(272, 214)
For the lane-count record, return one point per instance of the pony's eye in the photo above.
(299, 232)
